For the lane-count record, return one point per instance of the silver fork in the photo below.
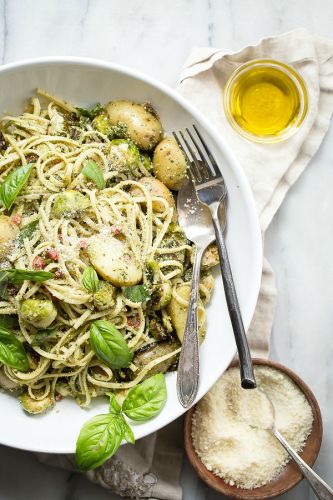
(211, 191)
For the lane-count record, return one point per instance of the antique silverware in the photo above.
(195, 220)
(211, 191)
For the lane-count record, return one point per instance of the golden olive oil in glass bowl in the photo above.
(265, 100)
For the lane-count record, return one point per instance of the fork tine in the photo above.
(195, 164)
(191, 166)
(209, 154)
(204, 166)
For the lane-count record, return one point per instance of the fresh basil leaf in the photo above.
(12, 352)
(98, 440)
(17, 276)
(92, 112)
(114, 405)
(9, 321)
(42, 335)
(27, 231)
(13, 184)
(109, 345)
(90, 279)
(94, 173)
(136, 293)
(128, 434)
(146, 400)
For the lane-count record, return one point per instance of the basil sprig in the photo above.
(146, 399)
(94, 173)
(109, 345)
(13, 184)
(12, 352)
(136, 293)
(90, 279)
(102, 435)
(18, 276)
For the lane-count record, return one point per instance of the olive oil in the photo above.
(266, 99)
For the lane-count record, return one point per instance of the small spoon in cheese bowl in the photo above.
(265, 420)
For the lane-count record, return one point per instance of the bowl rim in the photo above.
(218, 484)
(217, 138)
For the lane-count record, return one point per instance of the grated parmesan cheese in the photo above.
(224, 433)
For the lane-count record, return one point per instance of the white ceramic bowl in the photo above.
(85, 82)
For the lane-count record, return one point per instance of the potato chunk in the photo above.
(8, 233)
(169, 163)
(114, 260)
(142, 126)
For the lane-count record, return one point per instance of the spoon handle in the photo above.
(188, 366)
(246, 368)
(321, 489)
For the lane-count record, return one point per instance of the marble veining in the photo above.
(156, 37)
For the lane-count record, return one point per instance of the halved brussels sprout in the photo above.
(178, 313)
(33, 406)
(38, 312)
(143, 127)
(114, 260)
(8, 233)
(169, 163)
(161, 295)
(102, 124)
(69, 204)
(124, 156)
(146, 163)
(105, 296)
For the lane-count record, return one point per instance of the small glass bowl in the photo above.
(296, 81)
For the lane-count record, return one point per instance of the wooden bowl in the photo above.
(289, 477)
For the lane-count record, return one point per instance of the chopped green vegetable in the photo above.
(92, 112)
(94, 173)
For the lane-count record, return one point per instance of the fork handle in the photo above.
(188, 366)
(246, 368)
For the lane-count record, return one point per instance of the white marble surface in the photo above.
(156, 36)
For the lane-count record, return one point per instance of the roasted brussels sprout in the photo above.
(145, 163)
(69, 204)
(151, 272)
(178, 313)
(143, 127)
(169, 163)
(172, 240)
(146, 355)
(8, 233)
(124, 157)
(114, 260)
(102, 124)
(161, 295)
(105, 296)
(39, 312)
(33, 406)
(157, 329)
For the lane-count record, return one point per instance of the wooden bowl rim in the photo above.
(277, 486)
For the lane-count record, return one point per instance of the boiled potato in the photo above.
(114, 260)
(38, 312)
(6, 382)
(178, 313)
(8, 233)
(143, 127)
(156, 188)
(146, 355)
(33, 406)
(169, 163)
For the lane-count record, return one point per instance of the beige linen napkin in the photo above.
(152, 468)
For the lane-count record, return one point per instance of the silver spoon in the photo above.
(267, 421)
(195, 220)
